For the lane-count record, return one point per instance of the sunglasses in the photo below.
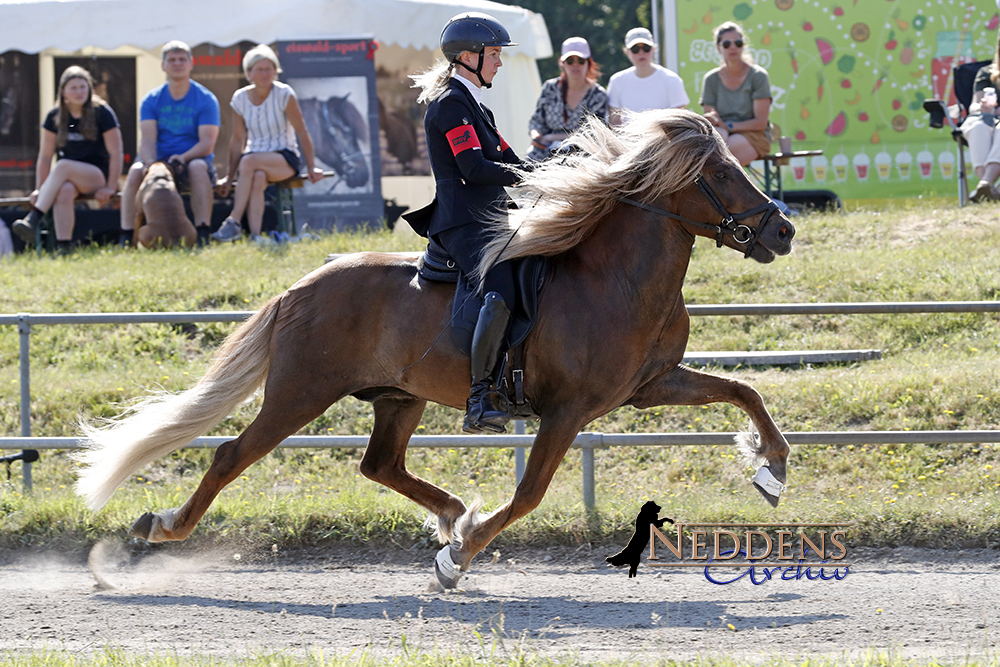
(645, 48)
(738, 43)
(575, 60)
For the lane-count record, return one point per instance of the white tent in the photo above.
(407, 31)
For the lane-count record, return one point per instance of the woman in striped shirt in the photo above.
(263, 148)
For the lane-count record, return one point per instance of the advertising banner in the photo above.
(334, 80)
(850, 78)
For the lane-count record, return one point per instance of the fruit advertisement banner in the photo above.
(849, 77)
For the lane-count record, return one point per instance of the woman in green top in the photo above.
(736, 97)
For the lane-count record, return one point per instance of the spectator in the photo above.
(178, 122)
(471, 163)
(266, 118)
(566, 101)
(980, 131)
(645, 85)
(83, 132)
(736, 97)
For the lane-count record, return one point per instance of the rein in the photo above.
(742, 234)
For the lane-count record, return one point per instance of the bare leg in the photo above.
(275, 169)
(201, 192)
(132, 182)
(255, 211)
(62, 212)
(741, 149)
(385, 461)
(86, 178)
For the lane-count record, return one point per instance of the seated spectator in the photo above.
(179, 123)
(263, 148)
(980, 130)
(566, 101)
(736, 97)
(646, 85)
(83, 133)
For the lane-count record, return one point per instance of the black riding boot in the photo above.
(481, 414)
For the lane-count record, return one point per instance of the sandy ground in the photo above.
(557, 602)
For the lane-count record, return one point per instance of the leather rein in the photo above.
(742, 234)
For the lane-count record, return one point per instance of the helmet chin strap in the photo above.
(477, 71)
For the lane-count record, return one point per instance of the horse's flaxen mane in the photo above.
(653, 154)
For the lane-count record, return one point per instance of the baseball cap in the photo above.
(642, 36)
(575, 46)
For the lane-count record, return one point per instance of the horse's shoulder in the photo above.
(373, 259)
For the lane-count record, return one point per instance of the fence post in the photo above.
(24, 329)
(518, 453)
(588, 443)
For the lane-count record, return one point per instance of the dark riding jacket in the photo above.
(469, 159)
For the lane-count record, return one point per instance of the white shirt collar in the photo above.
(477, 92)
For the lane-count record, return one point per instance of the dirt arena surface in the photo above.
(556, 602)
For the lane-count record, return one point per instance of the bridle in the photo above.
(742, 234)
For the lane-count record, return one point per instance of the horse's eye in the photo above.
(721, 174)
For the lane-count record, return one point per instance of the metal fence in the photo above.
(587, 442)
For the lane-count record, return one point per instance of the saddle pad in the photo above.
(530, 273)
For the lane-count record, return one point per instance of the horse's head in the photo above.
(720, 201)
(336, 127)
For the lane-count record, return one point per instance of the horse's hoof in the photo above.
(447, 572)
(143, 527)
(769, 487)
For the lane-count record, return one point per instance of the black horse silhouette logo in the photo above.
(632, 552)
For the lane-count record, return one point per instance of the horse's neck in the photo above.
(646, 255)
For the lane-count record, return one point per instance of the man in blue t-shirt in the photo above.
(178, 122)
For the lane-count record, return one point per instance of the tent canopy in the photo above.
(71, 25)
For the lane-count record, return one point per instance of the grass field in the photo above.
(114, 658)
(937, 372)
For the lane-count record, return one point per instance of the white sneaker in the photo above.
(229, 231)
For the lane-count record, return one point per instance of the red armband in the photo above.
(463, 138)
(503, 144)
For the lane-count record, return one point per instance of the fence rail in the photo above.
(587, 442)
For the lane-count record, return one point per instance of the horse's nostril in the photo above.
(786, 232)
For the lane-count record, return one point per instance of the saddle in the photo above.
(530, 273)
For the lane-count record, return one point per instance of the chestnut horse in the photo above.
(619, 218)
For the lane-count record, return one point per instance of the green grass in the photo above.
(503, 657)
(937, 372)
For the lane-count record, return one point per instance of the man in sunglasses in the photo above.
(645, 85)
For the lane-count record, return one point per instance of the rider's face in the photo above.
(491, 62)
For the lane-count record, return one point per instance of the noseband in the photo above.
(742, 234)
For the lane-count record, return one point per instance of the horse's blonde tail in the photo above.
(165, 422)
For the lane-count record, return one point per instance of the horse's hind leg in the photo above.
(686, 386)
(282, 414)
(396, 417)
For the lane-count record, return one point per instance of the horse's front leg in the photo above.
(686, 386)
(476, 531)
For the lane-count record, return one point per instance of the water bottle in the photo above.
(989, 101)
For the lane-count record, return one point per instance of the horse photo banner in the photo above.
(334, 80)
(850, 78)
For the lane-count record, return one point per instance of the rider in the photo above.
(472, 163)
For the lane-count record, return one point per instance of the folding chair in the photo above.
(963, 78)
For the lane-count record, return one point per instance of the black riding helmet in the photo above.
(473, 32)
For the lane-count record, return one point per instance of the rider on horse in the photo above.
(472, 163)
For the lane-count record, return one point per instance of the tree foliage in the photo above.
(603, 24)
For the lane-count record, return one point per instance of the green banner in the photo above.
(850, 78)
